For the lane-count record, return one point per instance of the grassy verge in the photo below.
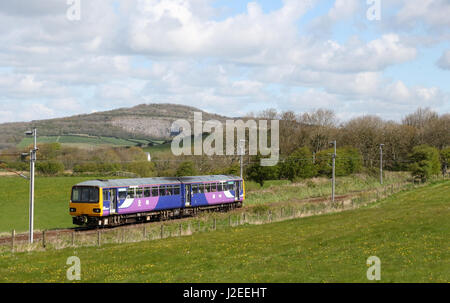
(409, 232)
(283, 190)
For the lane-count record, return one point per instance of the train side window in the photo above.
(169, 190)
(176, 190)
(207, 187)
(105, 195)
(122, 194)
(194, 188)
(155, 192)
(213, 187)
(139, 192)
(219, 187)
(147, 192)
(130, 193)
(162, 190)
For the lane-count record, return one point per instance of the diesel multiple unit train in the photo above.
(120, 201)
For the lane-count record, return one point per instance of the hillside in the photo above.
(145, 121)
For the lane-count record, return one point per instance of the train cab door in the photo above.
(113, 201)
(187, 195)
(237, 190)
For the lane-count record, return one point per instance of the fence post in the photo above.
(180, 230)
(145, 232)
(12, 239)
(215, 226)
(73, 238)
(243, 219)
(229, 220)
(270, 216)
(98, 238)
(162, 231)
(43, 239)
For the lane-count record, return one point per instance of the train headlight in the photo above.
(97, 210)
(72, 210)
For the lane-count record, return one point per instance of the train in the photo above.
(112, 202)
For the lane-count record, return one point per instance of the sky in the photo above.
(357, 57)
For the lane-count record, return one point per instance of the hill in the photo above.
(144, 122)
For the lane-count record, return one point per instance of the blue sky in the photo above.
(225, 56)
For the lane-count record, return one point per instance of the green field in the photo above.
(52, 196)
(87, 140)
(409, 232)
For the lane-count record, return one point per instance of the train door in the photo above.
(237, 190)
(188, 195)
(113, 201)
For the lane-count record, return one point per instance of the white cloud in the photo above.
(433, 13)
(444, 60)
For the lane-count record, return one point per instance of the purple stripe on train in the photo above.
(138, 205)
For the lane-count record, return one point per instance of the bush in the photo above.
(348, 161)
(186, 169)
(144, 169)
(20, 166)
(259, 174)
(234, 170)
(50, 167)
(445, 159)
(425, 162)
(299, 165)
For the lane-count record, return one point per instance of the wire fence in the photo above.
(205, 222)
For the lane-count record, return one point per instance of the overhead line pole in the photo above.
(333, 182)
(241, 143)
(32, 169)
(381, 163)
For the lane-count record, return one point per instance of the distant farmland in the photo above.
(88, 140)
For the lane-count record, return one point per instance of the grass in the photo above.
(283, 190)
(52, 195)
(409, 232)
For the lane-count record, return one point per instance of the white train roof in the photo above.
(159, 180)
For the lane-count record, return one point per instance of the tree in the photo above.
(186, 168)
(348, 161)
(259, 174)
(50, 167)
(299, 164)
(425, 162)
(445, 160)
(142, 168)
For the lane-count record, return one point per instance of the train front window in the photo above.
(85, 194)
